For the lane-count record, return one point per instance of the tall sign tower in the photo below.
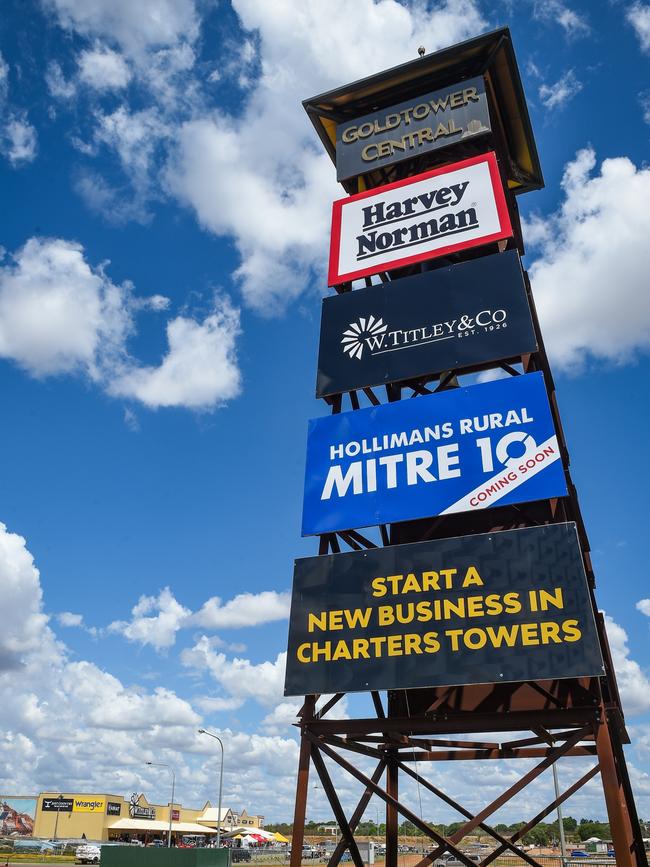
(453, 582)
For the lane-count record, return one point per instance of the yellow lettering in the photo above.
(472, 577)
(571, 630)
(378, 586)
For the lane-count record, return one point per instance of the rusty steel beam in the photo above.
(543, 814)
(472, 755)
(466, 813)
(335, 804)
(401, 808)
(302, 783)
(619, 819)
(504, 797)
(356, 817)
(329, 705)
(460, 723)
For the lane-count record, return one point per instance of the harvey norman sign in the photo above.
(404, 131)
(488, 608)
(463, 315)
(457, 451)
(432, 214)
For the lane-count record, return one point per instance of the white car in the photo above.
(87, 853)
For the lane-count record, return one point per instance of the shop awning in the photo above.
(159, 825)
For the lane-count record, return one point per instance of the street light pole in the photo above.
(217, 738)
(56, 818)
(171, 806)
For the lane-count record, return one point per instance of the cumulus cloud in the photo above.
(60, 315)
(643, 605)
(200, 369)
(24, 621)
(103, 69)
(57, 313)
(596, 240)
(633, 684)
(246, 609)
(638, 15)
(135, 27)
(263, 682)
(155, 620)
(557, 95)
(159, 629)
(274, 201)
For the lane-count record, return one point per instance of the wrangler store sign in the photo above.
(457, 451)
(412, 128)
(433, 214)
(489, 608)
(460, 316)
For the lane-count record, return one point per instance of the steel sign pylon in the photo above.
(406, 729)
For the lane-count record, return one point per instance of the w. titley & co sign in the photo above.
(464, 315)
(432, 214)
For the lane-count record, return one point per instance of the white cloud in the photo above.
(57, 84)
(102, 69)
(23, 619)
(68, 618)
(18, 140)
(218, 704)
(275, 201)
(557, 95)
(573, 24)
(158, 630)
(57, 314)
(595, 241)
(247, 609)
(638, 15)
(263, 682)
(633, 684)
(135, 26)
(60, 315)
(643, 605)
(200, 369)
(155, 620)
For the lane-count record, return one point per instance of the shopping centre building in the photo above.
(111, 817)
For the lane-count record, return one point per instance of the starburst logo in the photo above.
(359, 333)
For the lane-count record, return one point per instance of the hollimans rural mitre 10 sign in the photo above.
(438, 212)
(498, 607)
(400, 132)
(464, 449)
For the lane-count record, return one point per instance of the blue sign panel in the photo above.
(471, 448)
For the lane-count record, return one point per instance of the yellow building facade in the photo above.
(112, 817)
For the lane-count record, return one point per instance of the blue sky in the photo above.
(165, 232)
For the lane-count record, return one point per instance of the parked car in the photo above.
(159, 844)
(240, 853)
(450, 860)
(579, 853)
(87, 853)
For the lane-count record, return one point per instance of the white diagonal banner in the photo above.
(515, 472)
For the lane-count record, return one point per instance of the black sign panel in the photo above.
(488, 608)
(401, 132)
(113, 808)
(467, 314)
(57, 805)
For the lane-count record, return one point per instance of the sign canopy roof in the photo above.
(491, 54)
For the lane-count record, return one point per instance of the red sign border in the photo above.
(334, 278)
